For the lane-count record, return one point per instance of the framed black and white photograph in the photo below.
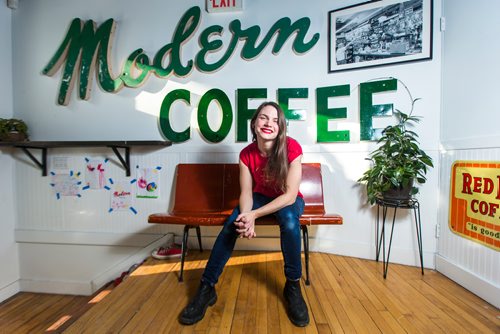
(378, 33)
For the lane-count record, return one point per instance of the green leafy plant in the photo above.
(399, 161)
(13, 125)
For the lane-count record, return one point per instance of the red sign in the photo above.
(475, 201)
(217, 6)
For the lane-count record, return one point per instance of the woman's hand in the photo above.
(245, 225)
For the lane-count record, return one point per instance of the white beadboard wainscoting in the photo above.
(472, 265)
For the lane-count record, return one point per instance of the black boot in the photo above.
(295, 305)
(195, 310)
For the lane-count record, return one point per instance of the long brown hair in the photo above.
(277, 164)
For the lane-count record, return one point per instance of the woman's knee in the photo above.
(290, 225)
(287, 216)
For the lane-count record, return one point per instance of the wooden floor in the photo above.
(347, 295)
(44, 313)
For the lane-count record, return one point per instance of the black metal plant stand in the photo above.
(385, 204)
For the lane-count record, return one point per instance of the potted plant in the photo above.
(398, 163)
(13, 129)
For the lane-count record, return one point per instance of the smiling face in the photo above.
(266, 125)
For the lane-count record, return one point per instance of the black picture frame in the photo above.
(379, 33)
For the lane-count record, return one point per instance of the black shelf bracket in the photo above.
(41, 164)
(125, 161)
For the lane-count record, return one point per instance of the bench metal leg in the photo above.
(305, 235)
(198, 233)
(184, 250)
(185, 246)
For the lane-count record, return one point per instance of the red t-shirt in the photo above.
(255, 162)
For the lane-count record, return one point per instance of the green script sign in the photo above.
(84, 44)
(86, 47)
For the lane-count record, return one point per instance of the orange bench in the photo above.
(206, 194)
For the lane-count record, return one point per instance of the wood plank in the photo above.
(165, 320)
(154, 306)
(262, 287)
(20, 314)
(37, 309)
(463, 299)
(227, 300)
(250, 311)
(273, 261)
(370, 272)
(371, 300)
(241, 302)
(412, 302)
(320, 289)
(326, 277)
(286, 326)
(368, 299)
(461, 316)
(401, 294)
(347, 295)
(428, 309)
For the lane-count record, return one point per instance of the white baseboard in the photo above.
(85, 238)
(408, 257)
(145, 243)
(115, 271)
(58, 287)
(405, 256)
(9, 290)
(475, 284)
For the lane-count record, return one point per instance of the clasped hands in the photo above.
(245, 225)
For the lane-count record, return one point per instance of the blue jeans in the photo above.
(288, 220)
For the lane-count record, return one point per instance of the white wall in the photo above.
(9, 275)
(471, 72)
(469, 128)
(38, 29)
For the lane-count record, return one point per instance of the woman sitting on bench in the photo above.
(272, 164)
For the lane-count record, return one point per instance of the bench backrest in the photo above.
(215, 188)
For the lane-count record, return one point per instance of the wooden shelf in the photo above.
(43, 146)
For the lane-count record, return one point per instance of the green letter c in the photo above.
(165, 127)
